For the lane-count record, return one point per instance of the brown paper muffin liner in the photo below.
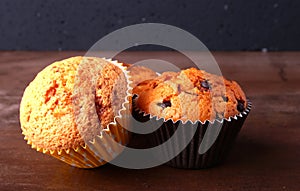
(93, 153)
(189, 157)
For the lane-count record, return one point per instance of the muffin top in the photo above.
(48, 107)
(140, 73)
(191, 94)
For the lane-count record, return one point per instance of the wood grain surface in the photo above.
(266, 155)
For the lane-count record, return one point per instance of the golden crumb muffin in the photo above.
(190, 95)
(50, 110)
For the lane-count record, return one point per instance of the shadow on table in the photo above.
(245, 153)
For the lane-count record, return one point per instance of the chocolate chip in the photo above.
(167, 103)
(240, 106)
(205, 84)
(164, 104)
(225, 98)
(155, 85)
(134, 96)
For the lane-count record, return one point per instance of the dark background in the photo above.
(219, 24)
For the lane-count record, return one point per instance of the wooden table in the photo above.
(266, 155)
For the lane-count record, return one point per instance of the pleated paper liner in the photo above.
(93, 153)
(190, 157)
(84, 156)
(102, 147)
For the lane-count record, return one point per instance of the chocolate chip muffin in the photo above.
(190, 95)
(208, 109)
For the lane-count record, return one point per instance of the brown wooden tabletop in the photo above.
(266, 155)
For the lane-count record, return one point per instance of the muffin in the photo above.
(70, 104)
(193, 99)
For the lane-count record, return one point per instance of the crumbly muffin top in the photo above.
(47, 112)
(140, 73)
(191, 94)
